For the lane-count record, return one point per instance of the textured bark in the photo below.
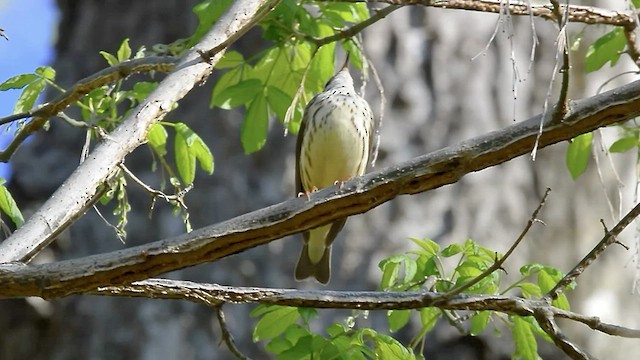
(423, 56)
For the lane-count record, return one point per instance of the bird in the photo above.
(333, 145)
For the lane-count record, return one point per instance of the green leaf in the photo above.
(9, 207)
(561, 302)
(397, 319)
(46, 72)
(228, 79)
(606, 49)
(254, 128)
(525, 341)
(111, 60)
(530, 290)
(279, 101)
(238, 94)
(230, 59)
(452, 250)
(578, 154)
(390, 268)
(196, 147)
(429, 246)
(157, 137)
(18, 81)
(624, 144)
(387, 347)
(429, 318)
(636, 3)
(29, 95)
(479, 322)
(185, 160)
(124, 52)
(207, 12)
(275, 323)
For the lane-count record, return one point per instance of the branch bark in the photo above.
(358, 195)
(78, 192)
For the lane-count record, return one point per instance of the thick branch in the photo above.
(75, 194)
(576, 13)
(358, 195)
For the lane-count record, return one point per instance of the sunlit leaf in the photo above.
(607, 48)
(18, 81)
(525, 341)
(624, 144)
(398, 319)
(254, 128)
(479, 321)
(9, 206)
(29, 95)
(578, 154)
(185, 160)
(124, 52)
(157, 137)
(275, 323)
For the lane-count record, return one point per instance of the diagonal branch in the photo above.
(78, 191)
(609, 238)
(358, 195)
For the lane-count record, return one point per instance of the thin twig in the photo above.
(355, 29)
(609, 238)
(226, 334)
(498, 264)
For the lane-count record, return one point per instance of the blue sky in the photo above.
(30, 27)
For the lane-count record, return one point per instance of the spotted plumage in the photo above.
(333, 146)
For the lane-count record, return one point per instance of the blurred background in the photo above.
(438, 92)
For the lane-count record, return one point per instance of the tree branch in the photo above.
(74, 195)
(44, 112)
(362, 300)
(576, 13)
(356, 196)
(609, 238)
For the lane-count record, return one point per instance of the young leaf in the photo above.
(29, 95)
(254, 128)
(624, 144)
(124, 52)
(275, 323)
(196, 147)
(429, 318)
(46, 72)
(606, 49)
(185, 160)
(18, 81)
(525, 341)
(230, 59)
(398, 319)
(278, 101)
(229, 78)
(111, 60)
(9, 207)
(578, 154)
(238, 94)
(479, 321)
(157, 137)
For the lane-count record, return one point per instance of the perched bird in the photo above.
(333, 146)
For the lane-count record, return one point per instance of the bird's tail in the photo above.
(320, 270)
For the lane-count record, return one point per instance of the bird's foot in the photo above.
(308, 193)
